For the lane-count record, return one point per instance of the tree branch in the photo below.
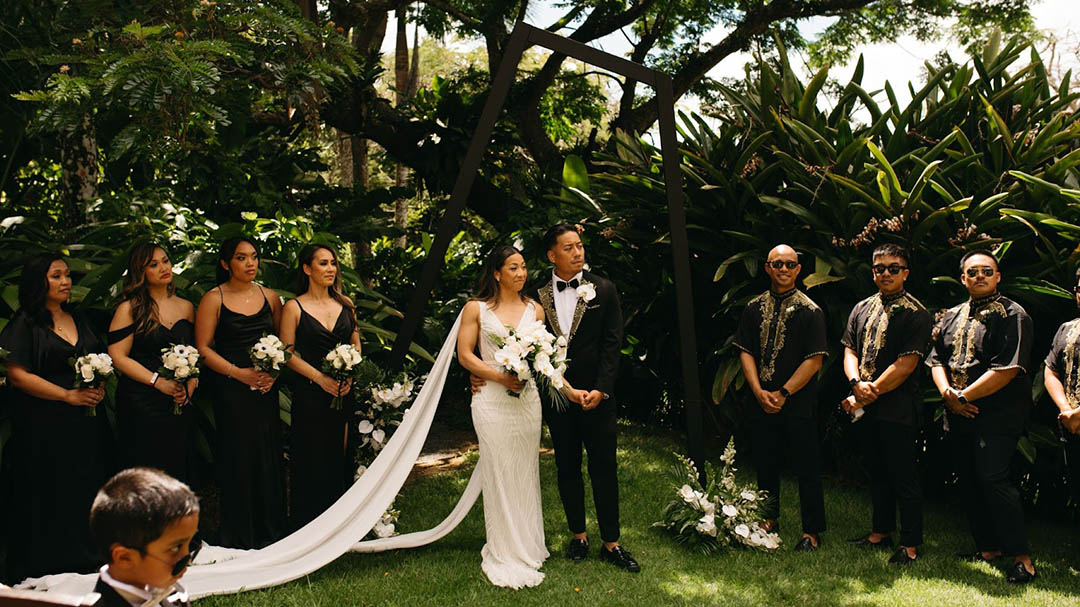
(756, 21)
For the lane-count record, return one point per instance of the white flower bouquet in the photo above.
(534, 353)
(718, 515)
(92, 370)
(341, 363)
(269, 354)
(180, 362)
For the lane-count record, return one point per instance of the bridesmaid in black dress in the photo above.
(316, 321)
(57, 449)
(232, 317)
(150, 318)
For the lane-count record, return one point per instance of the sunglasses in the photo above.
(986, 271)
(776, 265)
(193, 550)
(894, 268)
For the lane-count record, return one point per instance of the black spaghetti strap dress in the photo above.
(249, 449)
(58, 452)
(317, 436)
(150, 434)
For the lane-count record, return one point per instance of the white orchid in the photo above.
(707, 525)
(748, 496)
(586, 291)
(365, 426)
(742, 531)
(729, 510)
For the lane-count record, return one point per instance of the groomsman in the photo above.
(887, 333)
(979, 365)
(782, 338)
(1062, 381)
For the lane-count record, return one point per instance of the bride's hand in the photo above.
(511, 382)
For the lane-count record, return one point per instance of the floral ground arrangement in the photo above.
(673, 573)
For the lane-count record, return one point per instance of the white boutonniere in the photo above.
(586, 291)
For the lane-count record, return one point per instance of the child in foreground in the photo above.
(145, 523)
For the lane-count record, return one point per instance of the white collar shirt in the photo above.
(172, 596)
(565, 301)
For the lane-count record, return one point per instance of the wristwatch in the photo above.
(961, 398)
(784, 392)
(852, 381)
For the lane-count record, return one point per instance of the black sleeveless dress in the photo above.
(317, 435)
(249, 451)
(150, 433)
(58, 456)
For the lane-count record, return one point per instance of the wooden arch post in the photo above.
(523, 36)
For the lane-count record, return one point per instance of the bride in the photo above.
(506, 415)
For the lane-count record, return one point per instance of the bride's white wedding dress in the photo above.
(508, 429)
(337, 531)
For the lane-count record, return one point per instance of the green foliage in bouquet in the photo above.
(718, 515)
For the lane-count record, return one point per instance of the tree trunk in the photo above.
(79, 166)
(402, 85)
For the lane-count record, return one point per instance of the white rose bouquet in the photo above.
(269, 354)
(341, 363)
(92, 370)
(180, 362)
(534, 353)
(720, 514)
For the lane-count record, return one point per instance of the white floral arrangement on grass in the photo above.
(534, 353)
(341, 363)
(269, 355)
(380, 412)
(180, 362)
(721, 514)
(92, 370)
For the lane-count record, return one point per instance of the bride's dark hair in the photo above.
(487, 287)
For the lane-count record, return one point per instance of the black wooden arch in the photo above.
(523, 36)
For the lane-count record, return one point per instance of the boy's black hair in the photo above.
(135, 506)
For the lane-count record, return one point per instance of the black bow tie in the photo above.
(561, 285)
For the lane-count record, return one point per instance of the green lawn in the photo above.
(448, 572)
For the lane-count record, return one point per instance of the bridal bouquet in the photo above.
(534, 353)
(91, 370)
(721, 514)
(269, 354)
(180, 362)
(341, 363)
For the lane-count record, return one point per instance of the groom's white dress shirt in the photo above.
(565, 301)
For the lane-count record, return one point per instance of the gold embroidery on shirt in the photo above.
(876, 330)
(964, 339)
(1070, 378)
(769, 314)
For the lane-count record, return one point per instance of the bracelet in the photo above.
(229, 374)
(153, 380)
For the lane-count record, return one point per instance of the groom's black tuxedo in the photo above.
(595, 340)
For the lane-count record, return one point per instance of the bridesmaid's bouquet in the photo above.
(534, 353)
(92, 370)
(180, 362)
(341, 363)
(269, 354)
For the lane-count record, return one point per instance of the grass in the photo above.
(448, 572)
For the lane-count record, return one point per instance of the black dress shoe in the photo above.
(621, 558)
(901, 557)
(577, 550)
(807, 545)
(1018, 574)
(882, 544)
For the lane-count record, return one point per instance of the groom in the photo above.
(584, 308)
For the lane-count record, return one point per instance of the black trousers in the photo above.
(1072, 463)
(891, 451)
(596, 431)
(772, 436)
(991, 498)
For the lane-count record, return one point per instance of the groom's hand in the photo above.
(592, 400)
(475, 383)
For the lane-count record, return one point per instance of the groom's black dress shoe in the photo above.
(884, 543)
(577, 550)
(621, 558)
(901, 557)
